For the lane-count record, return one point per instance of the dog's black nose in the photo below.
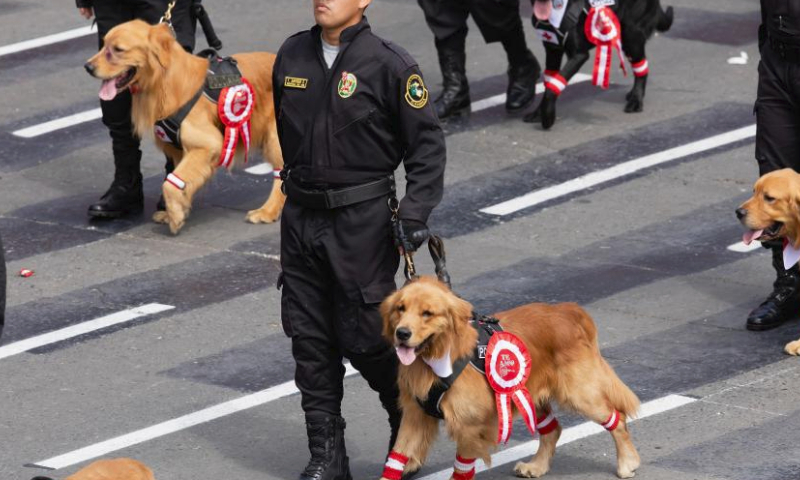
(741, 213)
(89, 66)
(403, 334)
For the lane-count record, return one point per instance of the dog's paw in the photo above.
(263, 215)
(627, 468)
(161, 217)
(793, 348)
(531, 469)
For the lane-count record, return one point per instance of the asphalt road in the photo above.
(128, 341)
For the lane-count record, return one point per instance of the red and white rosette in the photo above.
(602, 29)
(508, 366)
(235, 107)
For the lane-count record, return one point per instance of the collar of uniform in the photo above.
(349, 33)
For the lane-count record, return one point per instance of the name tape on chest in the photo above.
(296, 82)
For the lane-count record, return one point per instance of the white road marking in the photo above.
(175, 425)
(47, 40)
(59, 123)
(740, 247)
(260, 169)
(569, 435)
(80, 329)
(501, 99)
(623, 169)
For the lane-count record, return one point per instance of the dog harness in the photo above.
(234, 97)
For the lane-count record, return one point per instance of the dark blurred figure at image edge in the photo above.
(350, 107)
(2, 289)
(498, 21)
(777, 111)
(125, 196)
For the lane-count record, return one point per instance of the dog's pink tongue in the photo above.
(542, 9)
(407, 355)
(108, 90)
(751, 235)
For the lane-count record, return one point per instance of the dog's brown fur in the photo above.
(166, 78)
(776, 198)
(567, 369)
(112, 469)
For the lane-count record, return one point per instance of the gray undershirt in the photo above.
(330, 52)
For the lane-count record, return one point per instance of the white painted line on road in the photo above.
(59, 123)
(80, 329)
(501, 99)
(260, 169)
(595, 178)
(177, 424)
(47, 40)
(740, 247)
(569, 435)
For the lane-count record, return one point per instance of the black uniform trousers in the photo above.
(2, 288)
(338, 266)
(495, 18)
(117, 112)
(777, 112)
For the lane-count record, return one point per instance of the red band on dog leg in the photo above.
(612, 421)
(548, 424)
(395, 464)
(554, 82)
(463, 468)
(175, 181)
(464, 475)
(640, 69)
(276, 173)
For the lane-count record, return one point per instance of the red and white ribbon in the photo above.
(602, 28)
(395, 464)
(612, 421)
(547, 424)
(463, 468)
(640, 69)
(276, 173)
(508, 368)
(176, 181)
(554, 82)
(235, 107)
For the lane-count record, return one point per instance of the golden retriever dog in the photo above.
(425, 320)
(163, 77)
(111, 469)
(774, 212)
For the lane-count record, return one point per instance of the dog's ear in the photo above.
(161, 40)
(460, 311)
(387, 310)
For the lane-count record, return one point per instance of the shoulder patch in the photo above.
(416, 93)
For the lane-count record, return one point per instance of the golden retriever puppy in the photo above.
(774, 212)
(163, 77)
(428, 323)
(111, 469)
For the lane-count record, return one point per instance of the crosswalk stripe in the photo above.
(46, 40)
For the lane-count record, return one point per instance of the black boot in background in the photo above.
(454, 99)
(783, 303)
(326, 443)
(523, 71)
(125, 196)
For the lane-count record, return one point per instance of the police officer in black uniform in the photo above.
(778, 138)
(351, 106)
(498, 21)
(125, 194)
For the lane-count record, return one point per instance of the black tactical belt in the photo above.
(339, 197)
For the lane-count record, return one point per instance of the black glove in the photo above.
(410, 234)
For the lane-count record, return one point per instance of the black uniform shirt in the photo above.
(782, 19)
(355, 122)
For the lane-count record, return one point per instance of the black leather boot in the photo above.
(454, 99)
(783, 303)
(125, 196)
(522, 78)
(326, 442)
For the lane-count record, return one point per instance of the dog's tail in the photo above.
(620, 396)
(665, 18)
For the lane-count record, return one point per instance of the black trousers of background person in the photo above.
(338, 265)
(2, 288)
(495, 18)
(117, 112)
(777, 113)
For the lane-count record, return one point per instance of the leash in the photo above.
(202, 17)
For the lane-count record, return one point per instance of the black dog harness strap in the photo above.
(486, 327)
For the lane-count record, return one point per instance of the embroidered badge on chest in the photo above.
(416, 93)
(347, 85)
(508, 366)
